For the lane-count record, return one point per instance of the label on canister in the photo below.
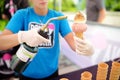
(24, 55)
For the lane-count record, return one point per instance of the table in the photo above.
(76, 74)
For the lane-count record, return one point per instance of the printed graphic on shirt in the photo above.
(48, 33)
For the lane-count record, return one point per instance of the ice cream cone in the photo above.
(77, 27)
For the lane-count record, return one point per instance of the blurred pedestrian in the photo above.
(96, 10)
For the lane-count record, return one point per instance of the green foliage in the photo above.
(1, 7)
(67, 5)
(113, 5)
(116, 7)
(3, 24)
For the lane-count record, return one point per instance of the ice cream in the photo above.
(78, 27)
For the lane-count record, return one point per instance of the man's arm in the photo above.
(30, 37)
(8, 40)
(70, 40)
(102, 15)
(102, 10)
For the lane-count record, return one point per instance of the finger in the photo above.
(83, 53)
(78, 40)
(30, 44)
(81, 49)
(80, 45)
(39, 37)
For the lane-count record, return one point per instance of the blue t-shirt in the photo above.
(45, 62)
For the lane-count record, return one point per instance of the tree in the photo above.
(113, 5)
(1, 7)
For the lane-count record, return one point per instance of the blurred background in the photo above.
(71, 6)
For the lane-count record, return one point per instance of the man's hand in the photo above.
(83, 47)
(31, 37)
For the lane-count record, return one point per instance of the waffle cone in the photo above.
(116, 65)
(115, 71)
(86, 75)
(103, 66)
(80, 18)
(102, 71)
(79, 35)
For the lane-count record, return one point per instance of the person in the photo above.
(95, 10)
(23, 27)
(11, 6)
